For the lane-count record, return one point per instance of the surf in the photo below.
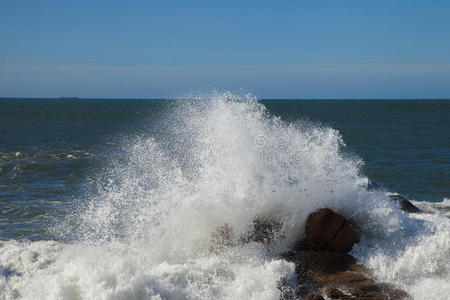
(146, 230)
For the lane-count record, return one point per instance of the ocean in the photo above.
(120, 199)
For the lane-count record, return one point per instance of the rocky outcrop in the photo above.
(372, 185)
(221, 238)
(405, 204)
(314, 297)
(323, 267)
(337, 276)
(327, 230)
(325, 270)
(264, 230)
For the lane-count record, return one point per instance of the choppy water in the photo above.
(119, 199)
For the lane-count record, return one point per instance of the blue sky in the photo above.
(274, 49)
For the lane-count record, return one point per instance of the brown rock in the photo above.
(405, 204)
(327, 230)
(323, 267)
(320, 261)
(339, 276)
(314, 297)
(333, 293)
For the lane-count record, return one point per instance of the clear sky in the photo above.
(274, 49)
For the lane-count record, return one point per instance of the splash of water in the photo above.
(223, 161)
(147, 232)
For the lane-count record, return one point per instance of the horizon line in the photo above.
(171, 99)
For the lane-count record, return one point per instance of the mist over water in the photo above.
(146, 230)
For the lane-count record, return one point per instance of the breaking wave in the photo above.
(149, 231)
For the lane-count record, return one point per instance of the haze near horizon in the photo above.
(293, 49)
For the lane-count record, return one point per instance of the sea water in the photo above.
(123, 199)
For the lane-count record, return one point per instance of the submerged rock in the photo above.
(327, 230)
(405, 204)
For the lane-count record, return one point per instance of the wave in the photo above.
(442, 207)
(148, 230)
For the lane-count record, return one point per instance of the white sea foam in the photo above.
(147, 232)
(417, 259)
(442, 207)
(50, 270)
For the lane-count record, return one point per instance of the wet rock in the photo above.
(310, 261)
(405, 204)
(339, 276)
(327, 230)
(372, 185)
(402, 202)
(314, 297)
(332, 273)
(222, 237)
(333, 293)
(264, 230)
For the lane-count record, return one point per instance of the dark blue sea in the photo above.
(87, 184)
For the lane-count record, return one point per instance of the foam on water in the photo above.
(442, 207)
(148, 230)
(416, 260)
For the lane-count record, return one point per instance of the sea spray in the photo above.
(414, 258)
(147, 230)
(223, 161)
